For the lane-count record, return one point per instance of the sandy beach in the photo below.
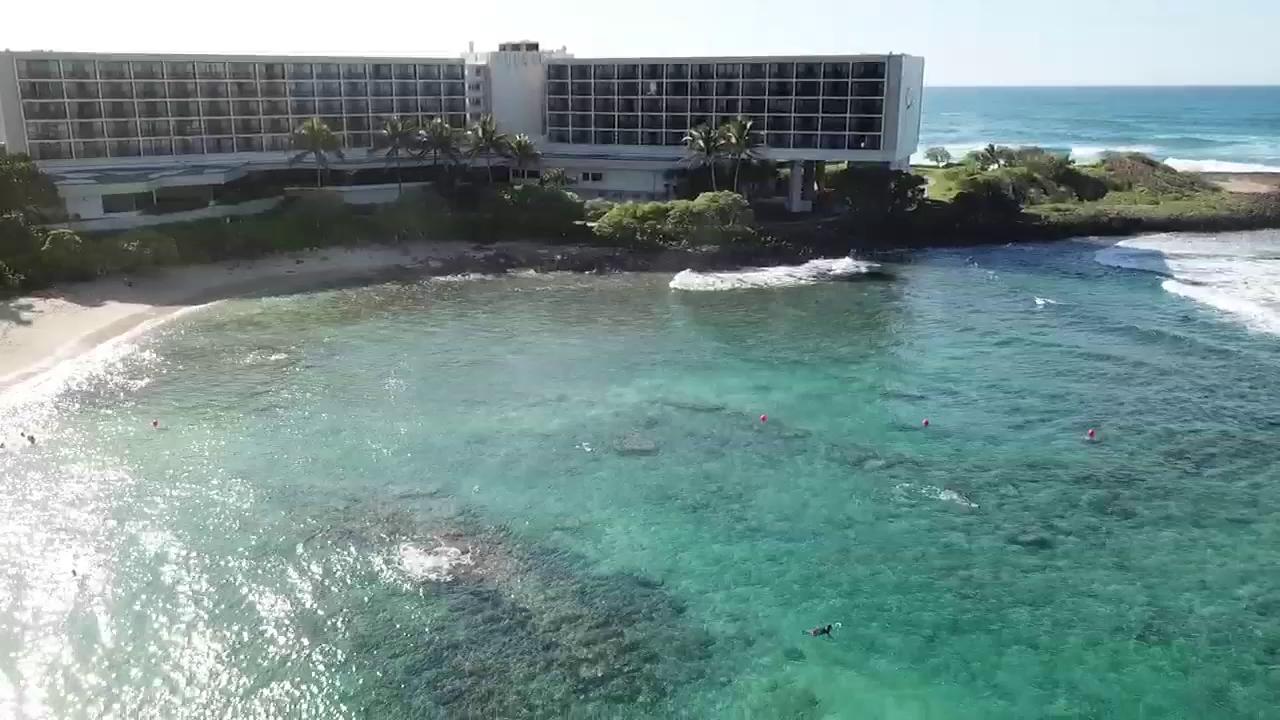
(39, 331)
(1252, 183)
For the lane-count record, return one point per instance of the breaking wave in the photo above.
(1238, 273)
(814, 271)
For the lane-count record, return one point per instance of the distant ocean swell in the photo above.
(1238, 274)
(1093, 153)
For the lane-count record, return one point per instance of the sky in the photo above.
(964, 42)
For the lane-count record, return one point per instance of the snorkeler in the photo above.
(820, 631)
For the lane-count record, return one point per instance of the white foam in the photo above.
(1237, 273)
(435, 564)
(1219, 166)
(1094, 153)
(812, 272)
(1041, 302)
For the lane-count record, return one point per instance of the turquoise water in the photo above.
(1193, 128)
(552, 496)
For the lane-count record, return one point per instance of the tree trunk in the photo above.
(317, 171)
(737, 165)
(712, 165)
(399, 179)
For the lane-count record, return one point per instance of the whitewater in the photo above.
(1238, 273)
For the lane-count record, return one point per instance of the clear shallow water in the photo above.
(279, 548)
(1223, 129)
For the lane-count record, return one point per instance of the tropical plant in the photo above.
(24, 189)
(554, 178)
(314, 138)
(484, 139)
(524, 152)
(938, 156)
(397, 136)
(438, 140)
(739, 143)
(705, 146)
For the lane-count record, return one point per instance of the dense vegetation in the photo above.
(994, 195)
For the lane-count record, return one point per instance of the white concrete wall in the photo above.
(910, 102)
(516, 91)
(13, 134)
(83, 202)
(634, 183)
(125, 221)
(358, 194)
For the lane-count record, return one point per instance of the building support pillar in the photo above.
(797, 199)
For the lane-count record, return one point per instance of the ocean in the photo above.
(1208, 129)
(555, 496)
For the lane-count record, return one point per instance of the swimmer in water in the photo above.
(31, 439)
(820, 631)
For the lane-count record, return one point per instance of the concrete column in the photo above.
(797, 199)
(795, 183)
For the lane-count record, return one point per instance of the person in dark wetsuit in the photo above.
(819, 631)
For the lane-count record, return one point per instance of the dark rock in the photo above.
(1032, 540)
(793, 654)
(635, 444)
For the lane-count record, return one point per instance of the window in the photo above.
(154, 128)
(270, 71)
(150, 90)
(50, 150)
(428, 72)
(47, 131)
(298, 71)
(40, 90)
(113, 70)
(327, 71)
(240, 70)
(592, 177)
(39, 70)
(44, 110)
(211, 70)
(160, 146)
(78, 69)
(147, 70)
(179, 71)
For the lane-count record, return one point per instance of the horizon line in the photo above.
(1101, 86)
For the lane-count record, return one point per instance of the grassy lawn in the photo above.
(1147, 206)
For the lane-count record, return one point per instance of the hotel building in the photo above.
(113, 128)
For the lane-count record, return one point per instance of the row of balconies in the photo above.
(98, 130)
(749, 106)
(839, 70)
(31, 69)
(181, 89)
(795, 140)
(124, 109)
(780, 123)
(718, 88)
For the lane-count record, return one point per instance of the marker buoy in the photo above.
(1092, 434)
(155, 424)
(764, 418)
(925, 423)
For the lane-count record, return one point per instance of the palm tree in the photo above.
(483, 138)
(739, 143)
(315, 138)
(554, 178)
(439, 140)
(523, 151)
(396, 136)
(705, 145)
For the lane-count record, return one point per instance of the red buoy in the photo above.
(925, 423)
(1092, 434)
(764, 418)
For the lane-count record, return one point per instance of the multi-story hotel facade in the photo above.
(109, 127)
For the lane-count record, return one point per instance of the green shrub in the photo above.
(540, 212)
(10, 280)
(714, 218)
(138, 250)
(596, 208)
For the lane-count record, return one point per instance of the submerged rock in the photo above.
(635, 444)
(1032, 540)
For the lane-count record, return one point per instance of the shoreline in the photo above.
(40, 331)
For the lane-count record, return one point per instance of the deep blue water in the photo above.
(1195, 128)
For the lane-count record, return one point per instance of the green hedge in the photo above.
(714, 218)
